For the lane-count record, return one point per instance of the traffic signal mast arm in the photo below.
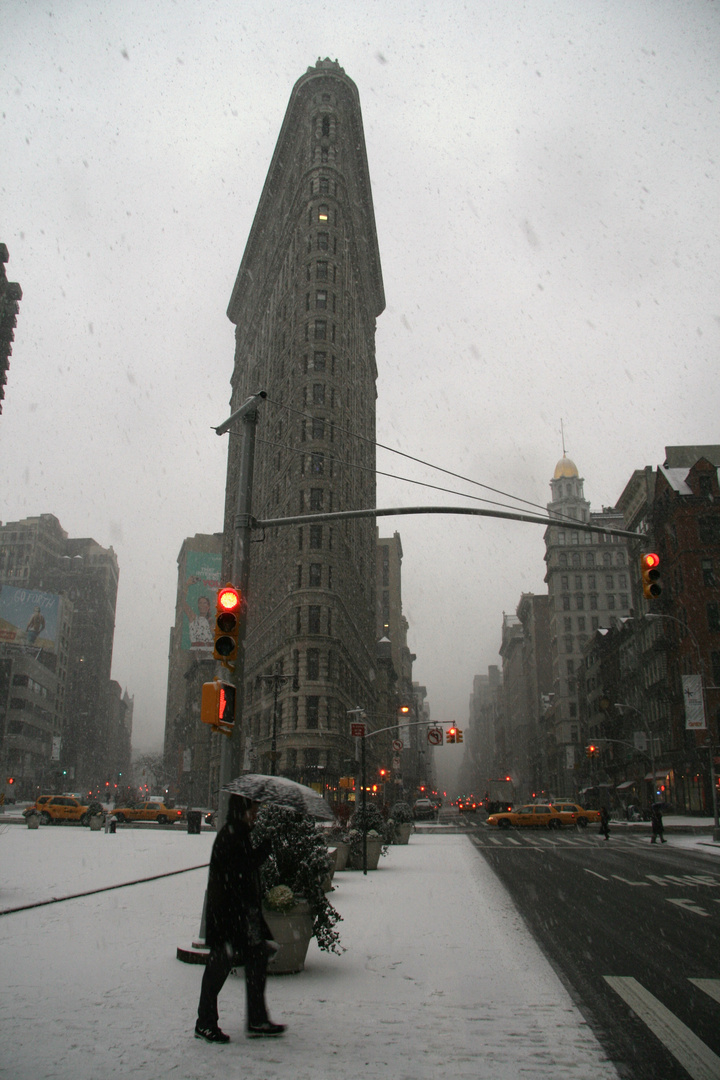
(400, 723)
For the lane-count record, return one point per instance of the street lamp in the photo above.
(623, 705)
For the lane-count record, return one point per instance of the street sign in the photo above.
(397, 745)
(357, 731)
(396, 764)
(435, 736)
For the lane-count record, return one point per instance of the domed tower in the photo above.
(588, 584)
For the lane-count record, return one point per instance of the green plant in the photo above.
(401, 813)
(373, 820)
(300, 862)
(280, 898)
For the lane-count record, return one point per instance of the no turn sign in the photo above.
(397, 745)
(435, 736)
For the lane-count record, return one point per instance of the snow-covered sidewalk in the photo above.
(440, 977)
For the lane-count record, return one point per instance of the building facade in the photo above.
(69, 588)
(305, 301)
(588, 579)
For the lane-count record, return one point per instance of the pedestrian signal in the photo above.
(227, 624)
(650, 568)
(217, 706)
(452, 733)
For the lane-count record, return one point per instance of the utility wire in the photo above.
(429, 465)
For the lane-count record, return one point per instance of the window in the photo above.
(320, 330)
(316, 534)
(298, 620)
(313, 664)
(611, 602)
(567, 624)
(708, 574)
(713, 617)
(314, 619)
(325, 126)
(562, 560)
(321, 298)
(591, 581)
(579, 602)
(319, 361)
(575, 557)
(299, 576)
(578, 582)
(590, 559)
(607, 558)
(595, 622)
(581, 623)
(318, 394)
(566, 602)
(324, 185)
(318, 429)
(323, 241)
(609, 581)
(571, 667)
(568, 644)
(323, 213)
(321, 270)
(316, 498)
(593, 601)
(317, 464)
(312, 717)
(315, 578)
(624, 600)
(565, 581)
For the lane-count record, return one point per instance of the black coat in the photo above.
(233, 917)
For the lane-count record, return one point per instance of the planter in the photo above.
(374, 850)
(402, 832)
(292, 931)
(342, 850)
(96, 823)
(33, 821)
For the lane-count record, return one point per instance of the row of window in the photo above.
(573, 538)
(590, 582)
(574, 560)
(593, 602)
(320, 331)
(314, 576)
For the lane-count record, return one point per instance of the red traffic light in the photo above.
(227, 623)
(649, 564)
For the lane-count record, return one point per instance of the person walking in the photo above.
(604, 823)
(235, 929)
(656, 823)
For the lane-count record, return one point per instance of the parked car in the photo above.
(424, 810)
(149, 811)
(574, 814)
(56, 808)
(533, 815)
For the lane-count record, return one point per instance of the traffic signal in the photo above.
(217, 705)
(649, 565)
(227, 624)
(592, 750)
(11, 779)
(452, 732)
(458, 735)
(382, 773)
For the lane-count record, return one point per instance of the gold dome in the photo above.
(565, 467)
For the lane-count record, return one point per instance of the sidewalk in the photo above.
(440, 977)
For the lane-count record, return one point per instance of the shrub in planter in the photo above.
(373, 820)
(299, 862)
(401, 813)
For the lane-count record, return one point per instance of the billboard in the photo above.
(202, 580)
(29, 617)
(694, 704)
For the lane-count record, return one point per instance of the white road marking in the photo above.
(688, 905)
(696, 1058)
(594, 873)
(710, 986)
(627, 882)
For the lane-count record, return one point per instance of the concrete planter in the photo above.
(374, 850)
(292, 931)
(342, 850)
(96, 823)
(402, 832)
(33, 821)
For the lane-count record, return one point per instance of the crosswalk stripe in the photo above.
(696, 1058)
(710, 986)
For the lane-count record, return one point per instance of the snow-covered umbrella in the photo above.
(280, 791)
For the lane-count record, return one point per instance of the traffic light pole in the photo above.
(231, 753)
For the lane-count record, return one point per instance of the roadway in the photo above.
(633, 930)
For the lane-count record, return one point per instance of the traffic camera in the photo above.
(227, 624)
(650, 569)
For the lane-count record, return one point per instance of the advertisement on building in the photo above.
(28, 617)
(202, 580)
(694, 704)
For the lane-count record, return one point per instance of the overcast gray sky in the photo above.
(546, 195)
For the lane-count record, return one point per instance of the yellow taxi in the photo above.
(533, 815)
(53, 808)
(149, 811)
(574, 814)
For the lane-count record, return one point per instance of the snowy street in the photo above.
(440, 976)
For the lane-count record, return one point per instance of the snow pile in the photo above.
(440, 976)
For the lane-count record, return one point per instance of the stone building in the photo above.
(588, 579)
(74, 584)
(305, 301)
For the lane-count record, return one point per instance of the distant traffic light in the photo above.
(382, 773)
(451, 735)
(11, 779)
(227, 624)
(650, 568)
(217, 705)
(592, 750)
(458, 735)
